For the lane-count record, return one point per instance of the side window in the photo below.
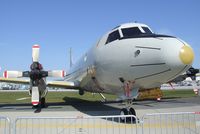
(147, 30)
(113, 36)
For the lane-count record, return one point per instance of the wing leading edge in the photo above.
(63, 84)
(15, 80)
(58, 84)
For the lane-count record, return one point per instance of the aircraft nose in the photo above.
(179, 57)
(186, 55)
(178, 54)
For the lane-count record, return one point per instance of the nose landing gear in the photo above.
(128, 111)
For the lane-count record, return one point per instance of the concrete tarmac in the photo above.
(102, 108)
(81, 108)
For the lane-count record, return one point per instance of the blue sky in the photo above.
(58, 25)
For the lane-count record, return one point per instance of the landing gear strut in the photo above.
(128, 111)
(43, 102)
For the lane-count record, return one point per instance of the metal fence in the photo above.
(78, 125)
(156, 123)
(5, 126)
(171, 123)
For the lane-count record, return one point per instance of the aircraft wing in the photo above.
(63, 84)
(15, 80)
(58, 84)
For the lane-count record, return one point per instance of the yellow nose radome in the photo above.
(186, 55)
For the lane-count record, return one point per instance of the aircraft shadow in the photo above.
(77, 103)
(93, 108)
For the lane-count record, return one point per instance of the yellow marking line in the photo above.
(3, 125)
(76, 125)
(108, 125)
(170, 125)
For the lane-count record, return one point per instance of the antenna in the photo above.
(70, 57)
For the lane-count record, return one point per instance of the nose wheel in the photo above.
(128, 111)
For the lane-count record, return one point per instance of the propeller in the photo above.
(36, 75)
(191, 72)
(36, 70)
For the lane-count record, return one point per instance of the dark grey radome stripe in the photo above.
(178, 72)
(148, 47)
(153, 74)
(153, 64)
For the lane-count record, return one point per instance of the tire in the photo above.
(81, 92)
(132, 112)
(35, 107)
(123, 111)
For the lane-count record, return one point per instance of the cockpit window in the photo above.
(147, 30)
(129, 32)
(113, 36)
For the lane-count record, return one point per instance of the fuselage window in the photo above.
(147, 30)
(129, 32)
(113, 36)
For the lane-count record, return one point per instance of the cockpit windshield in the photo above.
(128, 32)
(131, 31)
(135, 31)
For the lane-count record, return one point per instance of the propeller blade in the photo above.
(35, 99)
(12, 74)
(35, 53)
(56, 73)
